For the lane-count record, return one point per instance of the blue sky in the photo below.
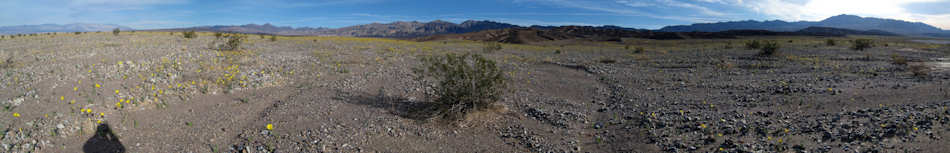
(652, 14)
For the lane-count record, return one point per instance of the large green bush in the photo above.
(465, 83)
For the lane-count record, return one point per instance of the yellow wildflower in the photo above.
(75, 88)
(16, 114)
(701, 125)
(102, 114)
(118, 105)
(72, 101)
(786, 130)
(98, 121)
(97, 85)
(270, 127)
(117, 91)
(61, 98)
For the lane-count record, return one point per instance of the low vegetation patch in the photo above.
(898, 60)
(491, 47)
(464, 84)
(769, 48)
(862, 44)
(753, 44)
(190, 34)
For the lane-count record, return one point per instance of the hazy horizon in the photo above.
(651, 14)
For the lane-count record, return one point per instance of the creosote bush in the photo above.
(190, 34)
(862, 44)
(831, 42)
(273, 37)
(898, 60)
(464, 84)
(753, 44)
(217, 35)
(491, 47)
(769, 48)
(115, 31)
(233, 42)
(920, 70)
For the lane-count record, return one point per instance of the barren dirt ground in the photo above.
(157, 92)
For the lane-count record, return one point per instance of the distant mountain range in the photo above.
(840, 21)
(43, 28)
(833, 26)
(399, 29)
(535, 34)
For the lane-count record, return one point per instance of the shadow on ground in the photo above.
(104, 141)
(396, 105)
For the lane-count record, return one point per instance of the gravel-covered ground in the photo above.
(158, 92)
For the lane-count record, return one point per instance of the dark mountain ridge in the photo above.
(840, 21)
(75, 27)
(400, 29)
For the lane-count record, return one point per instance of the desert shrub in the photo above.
(919, 70)
(769, 48)
(190, 34)
(465, 83)
(862, 44)
(233, 42)
(217, 35)
(607, 60)
(557, 51)
(273, 37)
(171, 33)
(639, 50)
(753, 44)
(77, 32)
(626, 47)
(489, 47)
(831, 42)
(8, 63)
(116, 31)
(898, 60)
(262, 36)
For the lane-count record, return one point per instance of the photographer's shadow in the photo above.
(104, 141)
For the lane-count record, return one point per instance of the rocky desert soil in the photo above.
(160, 92)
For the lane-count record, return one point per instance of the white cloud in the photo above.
(820, 9)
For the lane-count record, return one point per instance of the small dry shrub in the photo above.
(862, 44)
(233, 42)
(190, 34)
(898, 60)
(753, 44)
(920, 70)
(769, 48)
(490, 47)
